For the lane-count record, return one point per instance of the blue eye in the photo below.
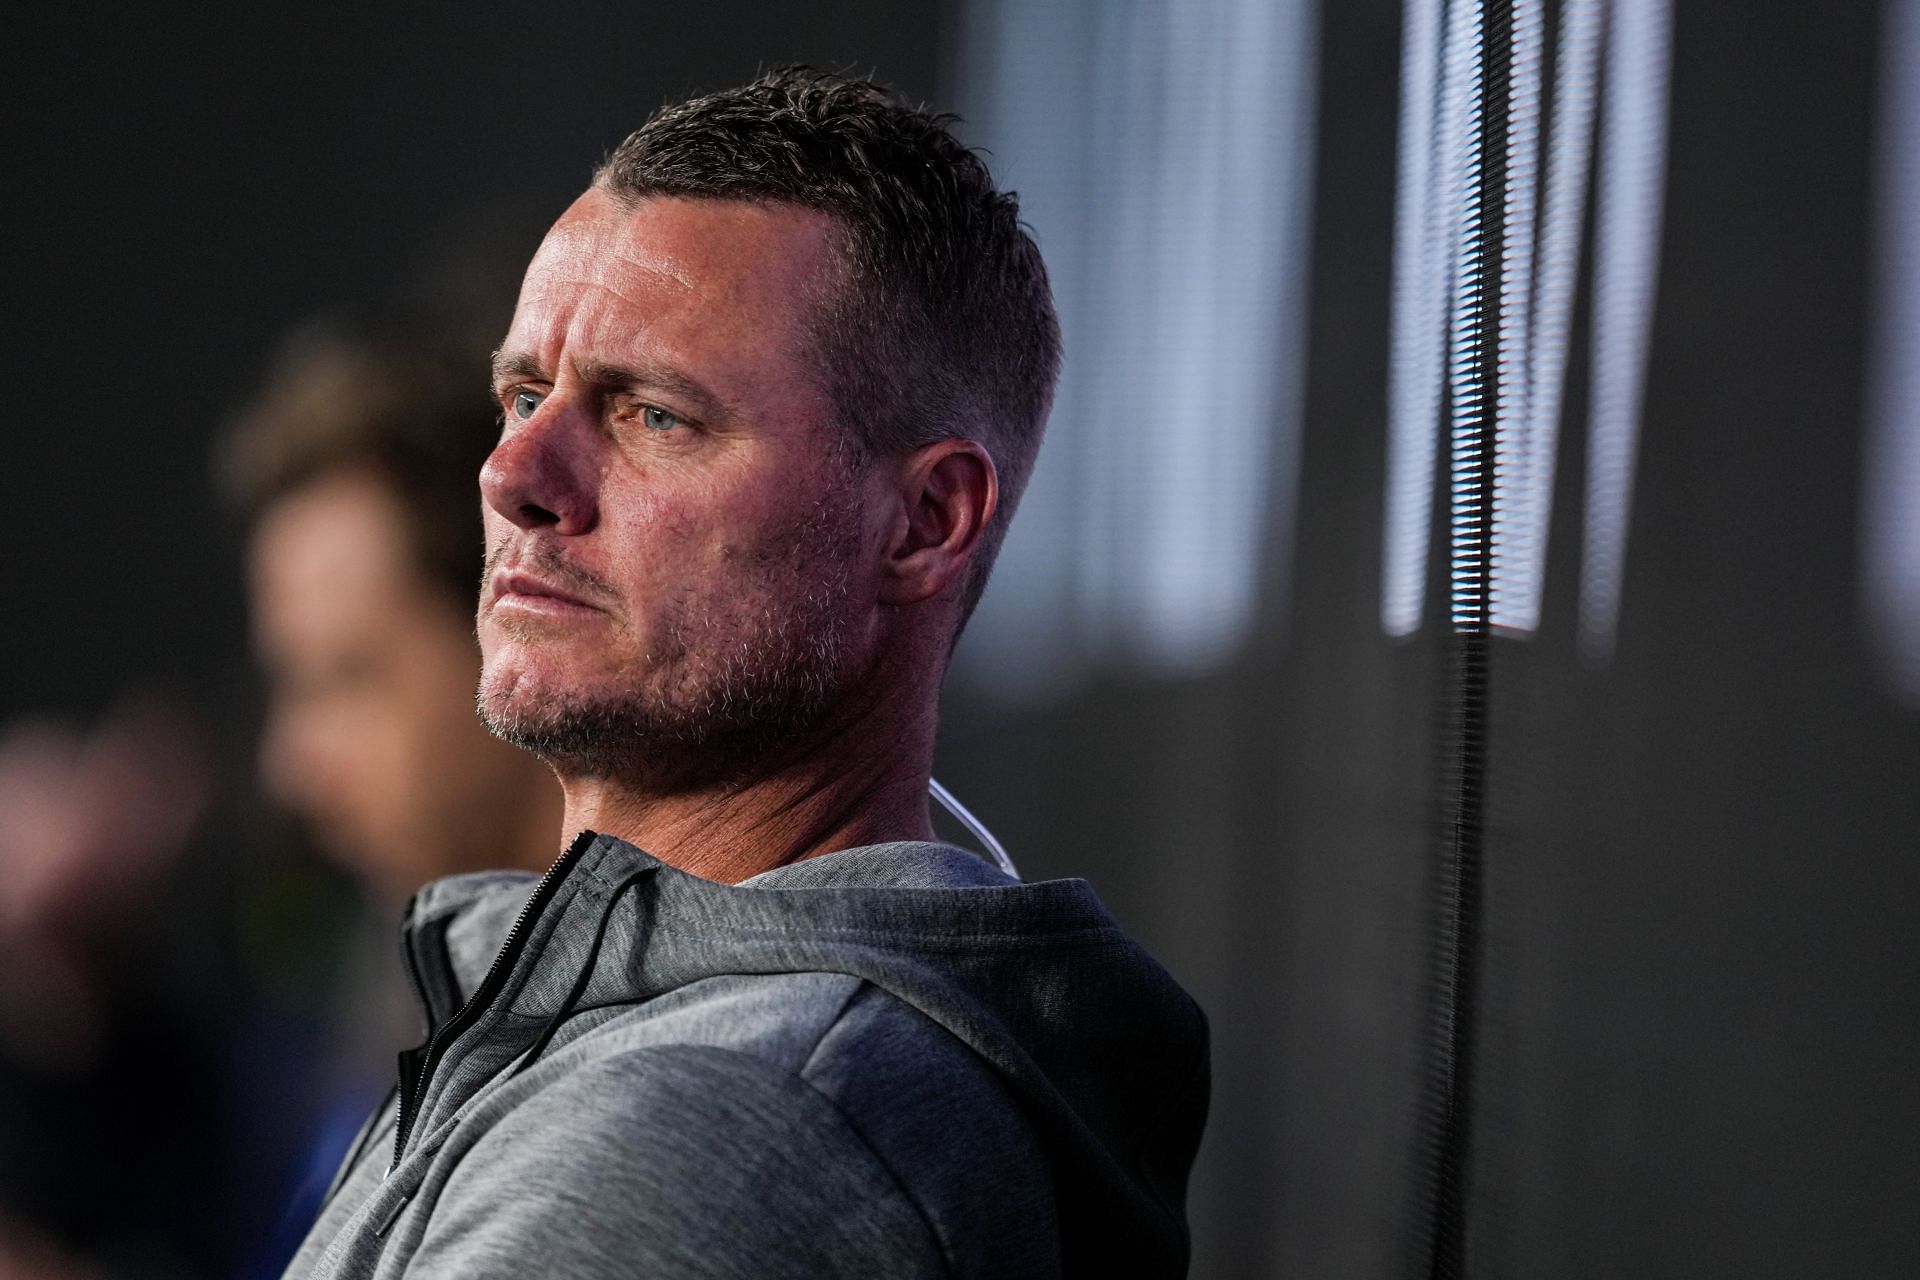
(658, 419)
(523, 403)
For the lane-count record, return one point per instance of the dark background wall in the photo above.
(1698, 992)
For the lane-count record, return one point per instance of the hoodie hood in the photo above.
(1105, 1053)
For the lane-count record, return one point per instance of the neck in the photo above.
(863, 782)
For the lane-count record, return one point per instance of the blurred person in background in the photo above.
(354, 468)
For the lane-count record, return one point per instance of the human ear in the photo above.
(948, 490)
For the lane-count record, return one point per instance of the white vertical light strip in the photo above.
(1515, 526)
(1891, 527)
(1017, 64)
(1633, 137)
(1465, 75)
(1539, 272)
(1569, 158)
(1236, 328)
(1107, 331)
(1275, 46)
(1163, 153)
(1420, 254)
(1183, 585)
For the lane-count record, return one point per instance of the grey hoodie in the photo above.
(887, 1061)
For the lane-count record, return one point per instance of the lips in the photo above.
(521, 590)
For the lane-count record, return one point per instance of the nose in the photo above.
(541, 474)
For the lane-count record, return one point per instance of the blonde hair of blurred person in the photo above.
(356, 470)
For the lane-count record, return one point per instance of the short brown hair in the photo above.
(945, 327)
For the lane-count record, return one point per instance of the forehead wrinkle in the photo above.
(569, 288)
(551, 320)
(655, 265)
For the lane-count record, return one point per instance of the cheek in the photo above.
(658, 499)
(723, 519)
(666, 540)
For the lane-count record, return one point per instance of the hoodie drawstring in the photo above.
(586, 971)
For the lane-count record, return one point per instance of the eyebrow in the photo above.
(603, 375)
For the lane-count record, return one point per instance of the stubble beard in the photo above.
(735, 680)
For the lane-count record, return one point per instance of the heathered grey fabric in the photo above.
(888, 1061)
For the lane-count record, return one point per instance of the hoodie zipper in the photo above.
(413, 1084)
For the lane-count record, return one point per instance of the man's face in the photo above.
(679, 578)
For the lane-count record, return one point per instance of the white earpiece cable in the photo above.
(973, 825)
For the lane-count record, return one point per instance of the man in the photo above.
(771, 392)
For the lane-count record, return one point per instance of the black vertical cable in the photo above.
(1453, 991)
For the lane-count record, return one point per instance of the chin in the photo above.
(522, 694)
(510, 658)
(511, 686)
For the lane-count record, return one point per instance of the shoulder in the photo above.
(948, 1128)
(829, 1050)
(917, 1095)
(686, 1159)
(847, 1134)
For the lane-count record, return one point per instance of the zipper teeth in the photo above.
(483, 994)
